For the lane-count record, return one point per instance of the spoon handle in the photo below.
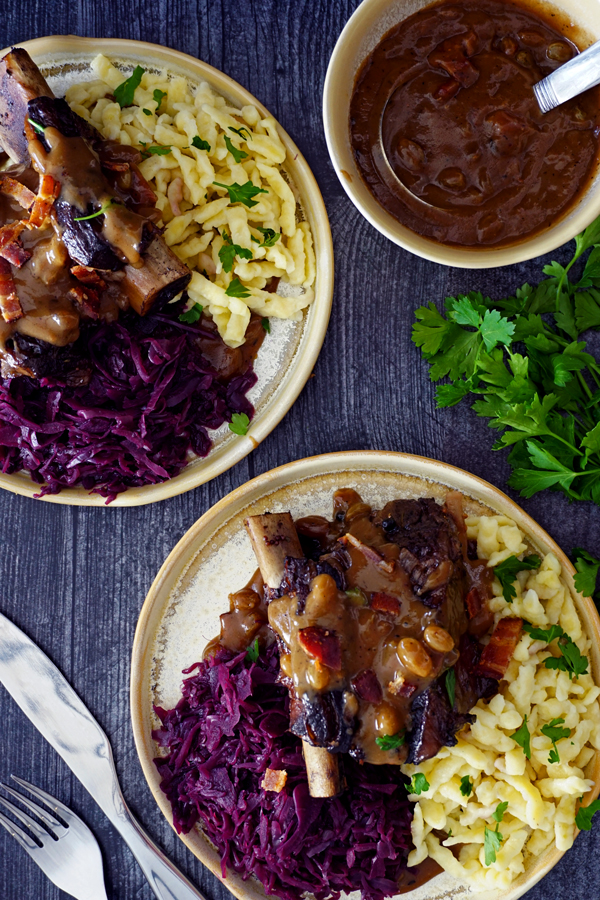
(575, 77)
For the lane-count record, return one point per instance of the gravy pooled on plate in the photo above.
(448, 135)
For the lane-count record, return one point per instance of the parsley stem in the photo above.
(584, 385)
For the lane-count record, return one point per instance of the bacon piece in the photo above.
(401, 687)
(498, 653)
(321, 644)
(11, 247)
(387, 565)
(47, 194)
(10, 305)
(386, 603)
(274, 780)
(17, 191)
(90, 276)
(87, 299)
(367, 686)
(481, 617)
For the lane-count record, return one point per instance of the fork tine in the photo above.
(51, 821)
(24, 839)
(33, 826)
(55, 805)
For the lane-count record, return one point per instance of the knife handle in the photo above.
(167, 882)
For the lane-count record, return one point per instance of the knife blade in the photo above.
(51, 704)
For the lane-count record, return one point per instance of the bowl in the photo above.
(363, 31)
(293, 347)
(181, 611)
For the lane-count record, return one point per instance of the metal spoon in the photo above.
(575, 77)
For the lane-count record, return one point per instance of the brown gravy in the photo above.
(447, 133)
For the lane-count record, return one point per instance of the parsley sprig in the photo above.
(239, 423)
(521, 361)
(466, 786)
(418, 784)
(571, 659)
(125, 91)
(583, 819)
(492, 839)
(507, 571)
(242, 193)
(229, 251)
(391, 741)
(192, 315)
(587, 573)
(554, 731)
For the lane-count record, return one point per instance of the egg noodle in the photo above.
(488, 763)
(196, 145)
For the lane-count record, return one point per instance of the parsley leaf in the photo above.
(507, 572)
(418, 784)
(498, 813)
(228, 253)
(571, 659)
(238, 155)
(266, 324)
(237, 289)
(451, 686)
(155, 150)
(553, 731)
(146, 112)
(587, 571)
(523, 738)
(125, 91)
(39, 128)
(391, 741)
(270, 237)
(466, 786)
(158, 96)
(583, 819)
(199, 144)
(192, 315)
(543, 634)
(239, 423)
(253, 651)
(242, 193)
(491, 844)
(243, 132)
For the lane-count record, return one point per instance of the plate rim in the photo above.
(303, 360)
(215, 517)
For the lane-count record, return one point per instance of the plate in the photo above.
(293, 346)
(181, 611)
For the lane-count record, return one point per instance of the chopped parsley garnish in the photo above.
(418, 784)
(94, 215)
(587, 571)
(238, 155)
(158, 96)
(507, 572)
(242, 193)
(253, 651)
(583, 819)
(466, 786)
(39, 128)
(239, 423)
(270, 237)
(147, 112)
(125, 91)
(228, 253)
(243, 132)
(191, 315)
(237, 289)
(199, 144)
(266, 324)
(391, 741)
(571, 660)
(491, 844)
(523, 738)
(154, 150)
(451, 686)
(493, 839)
(553, 731)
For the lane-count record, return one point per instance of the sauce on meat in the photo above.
(447, 133)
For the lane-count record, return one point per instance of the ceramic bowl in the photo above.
(363, 31)
(287, 359)
(181, 612)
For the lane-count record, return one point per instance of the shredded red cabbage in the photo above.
(229, 727)
(151, 398)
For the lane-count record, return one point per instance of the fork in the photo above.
(67, 852)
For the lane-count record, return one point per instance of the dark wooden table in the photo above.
(75, 579)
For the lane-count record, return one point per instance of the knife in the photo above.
(52, 705)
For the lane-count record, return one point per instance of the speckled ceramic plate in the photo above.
(287, 359)
(214, 558)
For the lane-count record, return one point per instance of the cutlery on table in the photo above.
(51, 704)
(568, 81)
(69, 853)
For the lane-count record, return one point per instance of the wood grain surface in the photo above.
(75, 579)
